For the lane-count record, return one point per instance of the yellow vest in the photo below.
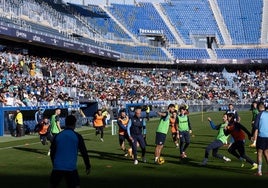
(19, 118)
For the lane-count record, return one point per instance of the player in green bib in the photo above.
(184, 128)
(218, 142)
(162, 130)
(55, 122)
(55, 127)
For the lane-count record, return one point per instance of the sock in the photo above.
(259, 168)
(205, 160)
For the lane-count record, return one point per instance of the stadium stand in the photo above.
(198, 14)
(243, 20)
(142, 16)
(151, 50)
(249, 53)
(181, 53)
(101, 21)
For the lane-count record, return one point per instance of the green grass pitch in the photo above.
(24, 161)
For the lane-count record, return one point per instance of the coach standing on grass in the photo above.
(134, 130)
(19, 123)
(64, 151)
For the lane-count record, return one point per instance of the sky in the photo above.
(86, 2)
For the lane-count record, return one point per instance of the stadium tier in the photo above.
(167, 32)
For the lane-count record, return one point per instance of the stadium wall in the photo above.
(7, 115)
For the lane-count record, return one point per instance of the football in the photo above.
(160, 160)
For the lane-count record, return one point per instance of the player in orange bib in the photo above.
(122, 122)
(98, 123)
(173, 123)
(44, 131)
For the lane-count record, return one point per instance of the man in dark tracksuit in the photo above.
(63, 154)
(135, 130)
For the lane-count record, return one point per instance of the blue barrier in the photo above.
(4, 110)
(223, 108)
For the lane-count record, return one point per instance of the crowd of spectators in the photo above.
(33, 81)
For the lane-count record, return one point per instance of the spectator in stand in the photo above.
(3, 100)
(115, 85)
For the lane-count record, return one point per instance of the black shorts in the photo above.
(160, 138)
(262, 143)
(122, 138)
(71, 178)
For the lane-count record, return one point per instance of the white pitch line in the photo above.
(34, 143)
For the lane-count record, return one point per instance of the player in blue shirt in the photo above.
(261, 136)
(64, 152)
